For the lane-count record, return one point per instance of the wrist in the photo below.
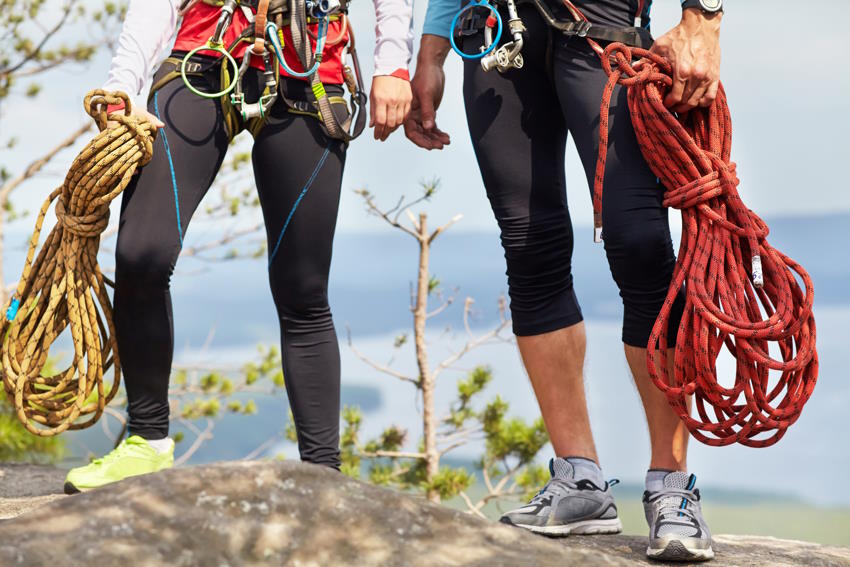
(433, 50)
(696, 19)
(705, 6)
(400, 73)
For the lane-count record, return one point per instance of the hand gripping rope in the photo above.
(64, 287)
(740, 291)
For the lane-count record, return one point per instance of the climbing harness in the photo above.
(342, 119)
(471, 19)
(63, 287)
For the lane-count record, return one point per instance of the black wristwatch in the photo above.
(707, 6)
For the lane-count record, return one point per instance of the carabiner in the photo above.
(484, 50)
(276, 39)
(216, 44)
(260, 108)
(218, 49)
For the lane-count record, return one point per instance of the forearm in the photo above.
(433, 50)
(393, 36)
(147, 31)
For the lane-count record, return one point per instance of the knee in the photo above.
(144, 262)
(538, 253)
(642, 263)
(640, 256)
(301, 299)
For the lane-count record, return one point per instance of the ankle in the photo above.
(161, 445)
(586, 468)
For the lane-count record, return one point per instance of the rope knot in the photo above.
(98, 101)
(83, 226)
(619, 54)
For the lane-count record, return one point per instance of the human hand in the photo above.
(693, 49)
(389, 104)
(428, 85)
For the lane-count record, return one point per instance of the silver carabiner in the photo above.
(260, 108)
(507, 56)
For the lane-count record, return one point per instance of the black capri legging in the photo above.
(519, 123)
(298, 172)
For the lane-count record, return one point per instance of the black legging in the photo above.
(519, 122)
(295, 165)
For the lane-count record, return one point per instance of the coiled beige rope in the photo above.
(64, 286)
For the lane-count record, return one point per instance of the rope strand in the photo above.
(62, 287)
(740, 291)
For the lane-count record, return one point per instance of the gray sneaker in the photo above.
(677, 530)
(568, 506)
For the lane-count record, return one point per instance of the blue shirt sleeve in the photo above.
(439, 16)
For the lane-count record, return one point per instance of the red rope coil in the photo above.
(723, 243)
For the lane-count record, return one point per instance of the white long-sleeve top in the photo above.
(150, 26)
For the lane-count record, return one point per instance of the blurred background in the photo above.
(791, 113)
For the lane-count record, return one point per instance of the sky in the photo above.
(789, 97)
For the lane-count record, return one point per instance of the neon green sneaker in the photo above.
(133, 457)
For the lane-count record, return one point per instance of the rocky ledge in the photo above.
(274, 513)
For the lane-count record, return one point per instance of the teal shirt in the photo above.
(439, 16)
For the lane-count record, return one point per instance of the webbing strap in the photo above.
(631, 36)
(260, 27)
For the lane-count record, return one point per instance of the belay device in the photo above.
(342, 119)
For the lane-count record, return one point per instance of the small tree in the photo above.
(510, 444)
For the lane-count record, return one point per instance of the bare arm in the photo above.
(428, 84)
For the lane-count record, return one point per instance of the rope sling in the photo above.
(740, 291)
(64, 287)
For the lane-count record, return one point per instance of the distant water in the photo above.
(370, 294)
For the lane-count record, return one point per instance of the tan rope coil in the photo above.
(64, 286)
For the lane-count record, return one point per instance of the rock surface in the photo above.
(25, 487)
(270, 513)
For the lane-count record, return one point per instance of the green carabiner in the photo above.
(219, 49)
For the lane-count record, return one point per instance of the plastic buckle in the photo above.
(192, 67)
(597, 234)
(470, 24)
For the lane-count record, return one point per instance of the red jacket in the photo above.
(199, 24)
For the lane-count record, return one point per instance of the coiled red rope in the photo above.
(722, 259)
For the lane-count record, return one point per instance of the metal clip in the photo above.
(579, 28)
(259, 108)
(597, 234)
(758, 276)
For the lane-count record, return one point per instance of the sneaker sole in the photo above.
(71, 488)
(586, 527)
(677, 551)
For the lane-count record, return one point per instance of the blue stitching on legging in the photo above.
(171, 167)
(298, 200)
